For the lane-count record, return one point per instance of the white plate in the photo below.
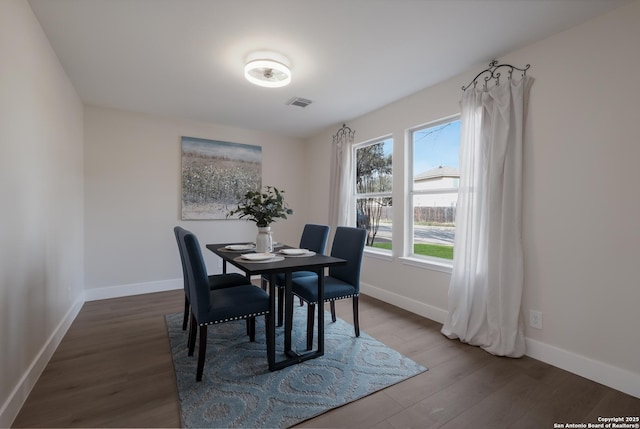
(294, 251)
(257, 256)
(239, 247)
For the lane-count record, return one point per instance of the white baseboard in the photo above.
(19, 394)
(600, 372)
(132, 289)
(417, 307)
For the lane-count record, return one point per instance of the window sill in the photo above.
(434, 264)
(377, 254)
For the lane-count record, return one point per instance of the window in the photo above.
(373, 191)
(434, 188)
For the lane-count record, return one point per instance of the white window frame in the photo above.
(384, 254)
(410, 258)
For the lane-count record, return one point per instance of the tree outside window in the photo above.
(373, 191)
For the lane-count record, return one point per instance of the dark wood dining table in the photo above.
(287, 265)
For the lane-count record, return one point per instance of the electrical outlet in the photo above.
(535, 319)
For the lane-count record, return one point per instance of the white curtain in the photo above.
(486, 286)
(341, 204)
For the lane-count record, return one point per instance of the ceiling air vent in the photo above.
(299, 102)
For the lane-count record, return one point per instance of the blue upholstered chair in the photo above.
(314, 238)
(209, 307)
(216, 281)
(342, 282)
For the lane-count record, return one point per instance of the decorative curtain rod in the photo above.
(492, 73)
(344, 134)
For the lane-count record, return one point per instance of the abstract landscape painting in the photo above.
(215, 175)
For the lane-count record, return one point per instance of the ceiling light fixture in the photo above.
(268, 73)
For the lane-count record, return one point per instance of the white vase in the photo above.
(264, 242)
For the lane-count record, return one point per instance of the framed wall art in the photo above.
(216, 175)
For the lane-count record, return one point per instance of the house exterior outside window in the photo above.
(434, 188)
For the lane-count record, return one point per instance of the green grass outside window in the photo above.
(435, 250)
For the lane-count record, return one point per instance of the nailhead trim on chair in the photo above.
(331, 299)
(234, 318)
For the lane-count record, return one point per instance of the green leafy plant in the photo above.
(263, 208)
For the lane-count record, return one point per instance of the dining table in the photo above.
(284, 259)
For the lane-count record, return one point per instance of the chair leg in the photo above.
(332, 304)
(270, 339)
(252, 328)
(185, 318)
(288, 311)
(301, 302)
(280, 305)
(190, 329)
(311, 312)
(193, 329)
(202, 352)
(356, 321)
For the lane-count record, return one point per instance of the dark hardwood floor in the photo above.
(113, 369)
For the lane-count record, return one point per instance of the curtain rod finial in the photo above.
(344, 134)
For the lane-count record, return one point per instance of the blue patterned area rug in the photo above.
(239, 391)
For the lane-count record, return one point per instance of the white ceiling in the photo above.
(185, 58)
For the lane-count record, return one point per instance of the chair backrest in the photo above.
(178, 231)
(197, 275)
(348, 243)
(314, 237)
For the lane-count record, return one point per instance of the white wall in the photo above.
(581, 198)
(41, 189)
(133, 192)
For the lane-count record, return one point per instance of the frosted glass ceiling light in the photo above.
(269, 73)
